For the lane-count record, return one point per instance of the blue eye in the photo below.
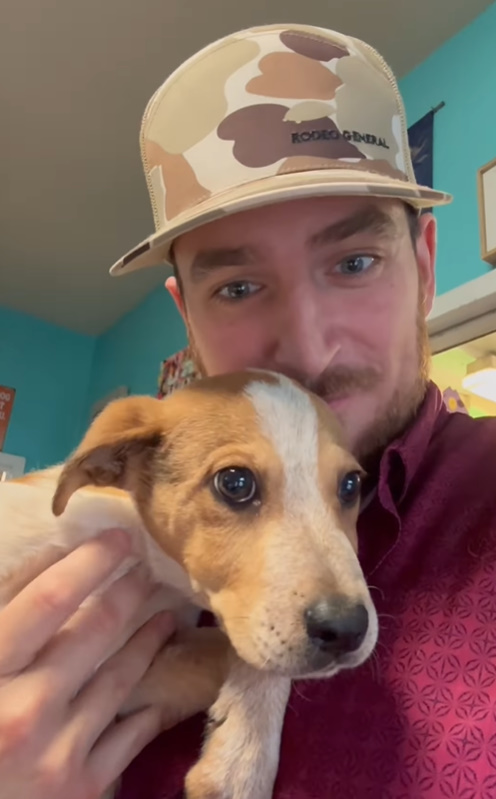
(356, 264)
(238, 290)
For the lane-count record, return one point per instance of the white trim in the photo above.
(11, 466)
(464, 313)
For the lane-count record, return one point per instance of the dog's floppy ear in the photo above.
(117, 450)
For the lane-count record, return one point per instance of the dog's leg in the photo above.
(241, 754)
(185, 677)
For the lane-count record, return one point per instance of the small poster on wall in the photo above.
(486, 183)
(176, 372)
(7, 396)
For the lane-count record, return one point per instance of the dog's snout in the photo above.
(336, 625)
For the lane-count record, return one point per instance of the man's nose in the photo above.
(302, 337)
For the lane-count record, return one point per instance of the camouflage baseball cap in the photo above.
(266, 115)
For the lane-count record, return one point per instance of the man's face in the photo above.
(330, 291)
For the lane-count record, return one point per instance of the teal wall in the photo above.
(463, 74)
(130, 353)
(50, 369)
(58, 375)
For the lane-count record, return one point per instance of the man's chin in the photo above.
(355, 413)
(371, 423)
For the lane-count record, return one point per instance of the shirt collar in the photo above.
(402, 458)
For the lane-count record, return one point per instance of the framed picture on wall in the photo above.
(486, 189)
(7, 396)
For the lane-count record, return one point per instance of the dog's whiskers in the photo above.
(379, 590)
(299, 693)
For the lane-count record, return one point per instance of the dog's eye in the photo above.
(236, 484)
(349, 489)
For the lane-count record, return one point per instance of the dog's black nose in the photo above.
(336, 625)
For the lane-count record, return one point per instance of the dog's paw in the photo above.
(215, 778)
(221, 772)
(241, 751)
(201, 784)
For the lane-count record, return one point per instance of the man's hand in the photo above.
(59, 736)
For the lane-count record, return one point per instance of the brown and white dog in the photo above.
(240, 497)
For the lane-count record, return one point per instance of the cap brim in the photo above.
(155, 250)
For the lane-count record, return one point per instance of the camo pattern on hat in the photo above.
(266, 115)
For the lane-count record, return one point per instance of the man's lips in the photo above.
(337, 399)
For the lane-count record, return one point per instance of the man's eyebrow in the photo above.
(206, 261)
(367, 220)
(370, 219)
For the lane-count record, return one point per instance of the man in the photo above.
(285, 202)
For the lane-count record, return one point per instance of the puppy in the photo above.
(240, 498)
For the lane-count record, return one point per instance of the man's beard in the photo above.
(341, 381)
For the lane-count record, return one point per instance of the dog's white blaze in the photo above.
(289, 420)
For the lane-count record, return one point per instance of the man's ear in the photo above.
(172, 287)
(118, 450)
(426, 260)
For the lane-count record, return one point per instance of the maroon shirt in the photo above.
(419, 718)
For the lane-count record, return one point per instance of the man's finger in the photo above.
(100, 701)
(89, 637)
(120, 745)
(33, 617)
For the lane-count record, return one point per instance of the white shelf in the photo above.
(11, 466)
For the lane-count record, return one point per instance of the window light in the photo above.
(480, 378)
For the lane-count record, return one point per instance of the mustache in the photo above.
(332, 383)
(339, 381)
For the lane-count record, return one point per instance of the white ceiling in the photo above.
(76, 76)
